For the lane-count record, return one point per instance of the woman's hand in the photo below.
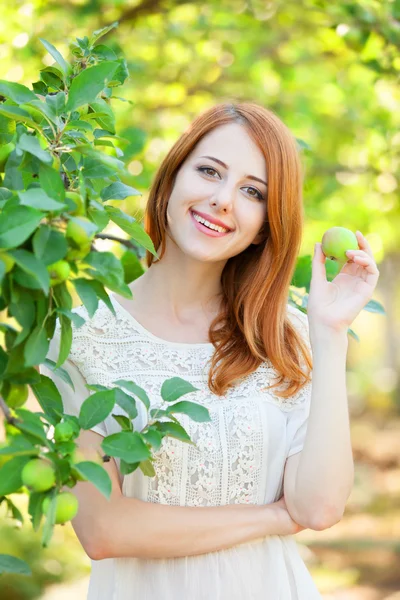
(335, 305)
(289, 527)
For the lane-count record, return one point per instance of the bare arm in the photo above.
(147, 530)
(129, 527)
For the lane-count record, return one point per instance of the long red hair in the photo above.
(253, 325)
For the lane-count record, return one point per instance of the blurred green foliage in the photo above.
(329, 70)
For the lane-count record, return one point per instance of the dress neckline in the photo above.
(148, 333)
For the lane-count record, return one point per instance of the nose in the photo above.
(223, 198)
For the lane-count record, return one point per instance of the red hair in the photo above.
(253, 325)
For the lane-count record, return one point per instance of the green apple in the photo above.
(66, 506)
(38, 475)
(78, 202)
(336, 241)
(17, 395)
(81, 230)
(63, 432)
(59, 271)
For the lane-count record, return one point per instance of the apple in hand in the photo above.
(336, 241)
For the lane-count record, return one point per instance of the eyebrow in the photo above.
(217, 160)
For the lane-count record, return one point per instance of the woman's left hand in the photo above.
(336, 304)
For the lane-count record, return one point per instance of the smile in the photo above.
(207, 227)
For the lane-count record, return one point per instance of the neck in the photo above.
(181, 288)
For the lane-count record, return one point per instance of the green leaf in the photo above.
(146, 466)
(108, 120)
(87, 294)
(93, 169)
(19, 446)
(17, 223)
(12, 564)
(36, 347)
(132, 387)
(76, 319)
(105, 265)
(31, 424)
(16, 92)
(37, 198)
(375, 307)
(40, 107)
(118, 191)
(48, 396)
(123, 422)
(196, 412)
(7, 130)
(51, 182)
(31, 144)
(96, 408)
(175, 387)
(49, 245)
(97, 475)
(128, 445)
(66, 339)
(174, 430)
(34, 267)
(90, 82)
(100, 32)
(127, 403)
(65, 66)
(10, 475)
(18, 114)
(56, 104)
(153, 437)
(62, 373)
(135, 230)
(132, 266)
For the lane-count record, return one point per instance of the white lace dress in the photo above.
(239, 458)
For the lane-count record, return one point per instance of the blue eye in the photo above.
(204, 169)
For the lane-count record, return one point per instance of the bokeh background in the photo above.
(331, 72)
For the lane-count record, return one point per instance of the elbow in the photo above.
(325, 520)
(97, 552)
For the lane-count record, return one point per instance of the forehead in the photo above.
(232, 144)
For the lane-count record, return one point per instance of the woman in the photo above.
(225, 214)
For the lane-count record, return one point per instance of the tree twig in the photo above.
(108, 236)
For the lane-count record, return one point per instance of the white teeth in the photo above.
(209, 225)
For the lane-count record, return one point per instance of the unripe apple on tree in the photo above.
(59, 272)
(336, 241)
(66, 507)
(38, 475)
(63, 432)
(81, 230)
(17, 395)
(79, 209)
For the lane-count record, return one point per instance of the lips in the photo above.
(212, 220)
(204, 229)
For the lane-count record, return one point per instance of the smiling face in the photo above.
(225, 194)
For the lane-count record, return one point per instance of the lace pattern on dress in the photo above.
(224, 465)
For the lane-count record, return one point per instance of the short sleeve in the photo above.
(72, 400)
(297, 422)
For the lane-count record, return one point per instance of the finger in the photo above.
(363, 243)
(318, 264)
(353, 253)
(364, 260)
